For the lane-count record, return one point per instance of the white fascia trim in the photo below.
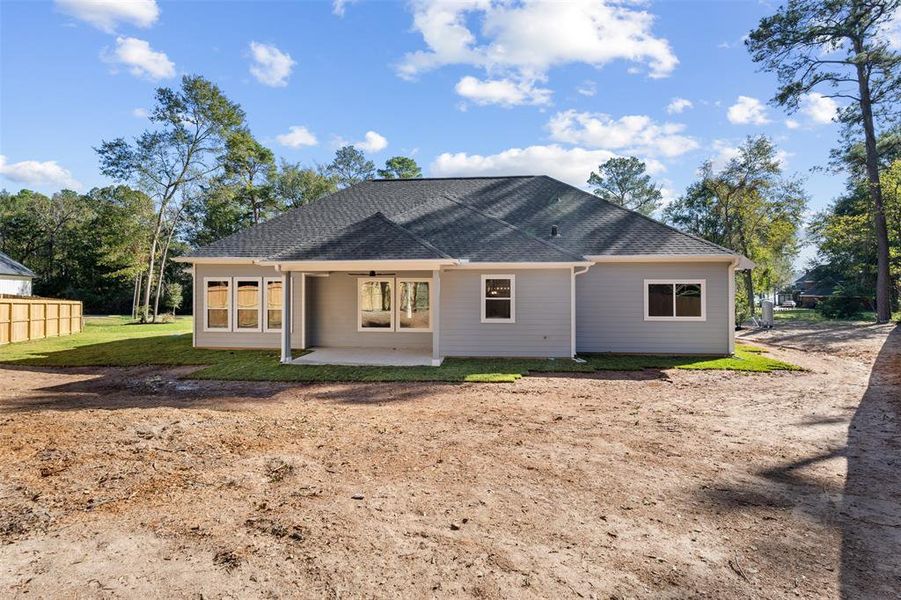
(216, 260)
(518, 265)
(363, 265)
(672, 258)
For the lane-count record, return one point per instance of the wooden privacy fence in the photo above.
(23, 319)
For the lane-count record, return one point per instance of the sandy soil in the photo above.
(130, 482)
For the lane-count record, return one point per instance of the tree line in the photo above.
(196, 175)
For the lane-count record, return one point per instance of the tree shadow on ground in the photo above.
(868, 510)
(118, 388)
(827, 335)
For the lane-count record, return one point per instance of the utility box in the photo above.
(767, 308)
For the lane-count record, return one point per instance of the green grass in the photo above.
(114, 342)
(746, 358)
(811, 315)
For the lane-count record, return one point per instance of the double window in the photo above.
(243, 304)
(498, 298)
(394, 304)
(675, 300)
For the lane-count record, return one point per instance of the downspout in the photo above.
(572, 307)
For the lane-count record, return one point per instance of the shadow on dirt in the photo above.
(867, 511)
(116, 388)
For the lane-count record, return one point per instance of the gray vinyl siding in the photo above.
(610, 310)
(332, 316)
(238, 339)
(542, 326)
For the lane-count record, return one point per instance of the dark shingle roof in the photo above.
(9, 266)
(485, 219)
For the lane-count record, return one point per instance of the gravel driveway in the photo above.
(130, 482)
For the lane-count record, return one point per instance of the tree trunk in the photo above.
(749, 283)
(136, 294)
(883, 297)
(159, 284)
(151, 262)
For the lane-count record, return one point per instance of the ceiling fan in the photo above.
(372, 274)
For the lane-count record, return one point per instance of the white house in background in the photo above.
(15, 278)
(484, 266)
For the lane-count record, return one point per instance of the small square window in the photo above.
(674, 300)
(498, 298)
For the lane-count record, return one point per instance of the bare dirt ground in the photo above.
(132, 483)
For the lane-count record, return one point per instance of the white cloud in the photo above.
(270, 66)
(372, 142)
(632, 134)
(140, 59)
(522, 41)
(296, 137)
(821, 109)
(107, 14)
(588, 88)
(748, 110)
(32, 172)
(792, 124)
(572, 165)
(140, 113)
(505, 92)
(339, 6)
(678, 105)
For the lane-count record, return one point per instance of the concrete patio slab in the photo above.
(366, 357)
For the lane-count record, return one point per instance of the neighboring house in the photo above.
(814, 286)
(483, 266)
(15, 278)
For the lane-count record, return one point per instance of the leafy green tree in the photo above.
(400, 167)
(174, 296)
(296, 185)
(750, 207)
(350, 167)
(624, 181)
(839, 48)
(250, 167)
(184, 148)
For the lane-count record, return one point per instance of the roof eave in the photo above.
(217, 260)
(743, 262)
(421, 264)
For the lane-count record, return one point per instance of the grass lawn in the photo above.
(814, 316)
(115, 342)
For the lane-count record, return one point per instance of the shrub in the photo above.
(841, 305)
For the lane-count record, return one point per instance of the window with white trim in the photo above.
(248, 303)
(217, 304)
(498, 298)
(675, 299)
(274, 298)
(375, 302)
(414, 304)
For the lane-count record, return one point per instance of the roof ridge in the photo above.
(464, 178)
(515, 228)
(646, 217)
(421, 240)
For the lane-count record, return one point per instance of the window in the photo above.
(375, 301)
(498, 299)
(274, 300)
(248, 303)
(217, 304)
(414, 305)
(675, 300)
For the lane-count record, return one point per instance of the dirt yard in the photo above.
(131, 483)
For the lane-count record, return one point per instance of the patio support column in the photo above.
(435, 308)
(287, 302)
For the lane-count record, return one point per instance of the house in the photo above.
(483, 266)
(813, 286)
(15, 278)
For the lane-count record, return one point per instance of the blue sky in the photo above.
(469, 88)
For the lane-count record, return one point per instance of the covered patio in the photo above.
(367, 357)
